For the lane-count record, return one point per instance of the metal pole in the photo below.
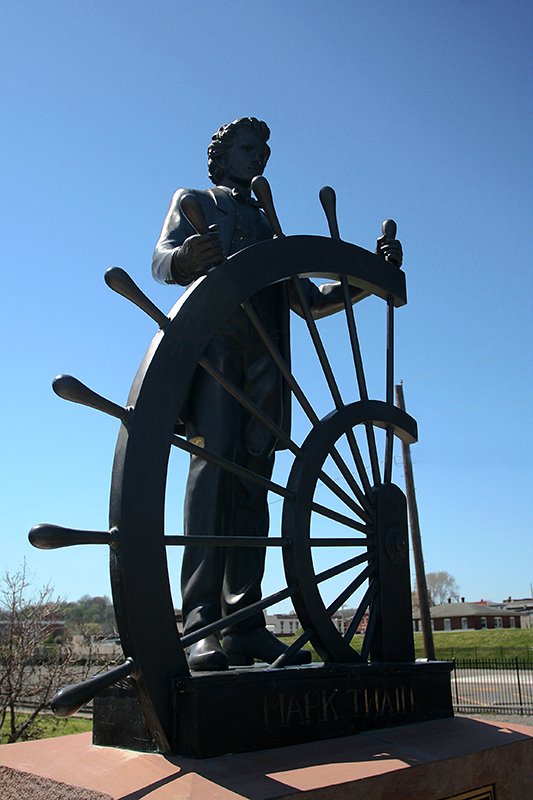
(423, 600)
(519, 686)
(389, 442)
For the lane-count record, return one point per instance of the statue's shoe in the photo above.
(243, 647)
(207, 655)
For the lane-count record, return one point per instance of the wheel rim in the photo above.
(313, 612)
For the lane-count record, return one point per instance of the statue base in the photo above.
(456, 759)
(253, 708)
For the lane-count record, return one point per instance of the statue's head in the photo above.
(252, 135)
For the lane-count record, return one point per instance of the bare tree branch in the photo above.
(36, 657)
(441, 587)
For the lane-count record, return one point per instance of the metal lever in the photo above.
(73, 697)
(72, 389)
(121, 283)
(51, 537)
(263, 192)
(389, 229)
(328, 199)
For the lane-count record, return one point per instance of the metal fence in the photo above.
(505, 652)
(498, 686)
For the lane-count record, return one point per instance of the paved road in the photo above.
(502, 719)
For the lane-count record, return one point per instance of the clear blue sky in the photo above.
(418, 110)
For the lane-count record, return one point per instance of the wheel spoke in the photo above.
(360, 374)
(192, 540)
(250, 406)
(349, 590)
(353, 542)
(387, 469)
(359, 463)
(332, 572)
(359, 614)
(348, 477)
(330, 379)
(280, 363)
(237, 616)
(280, 434)
(372, 617)
(306, 635)
(298, 643)
(389, 445)
(302, 399)
(317, 342)
(338, 517)
(346, 499)
(389, 390)
(230, 466)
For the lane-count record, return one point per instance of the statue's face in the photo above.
(244, 160)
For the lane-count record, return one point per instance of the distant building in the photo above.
(468, 617)
(283, 624)
(522, 606)
(289, 624)
(98, 650)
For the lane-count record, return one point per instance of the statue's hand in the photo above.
(197, 254)
(390, 249)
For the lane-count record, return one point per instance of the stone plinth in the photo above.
(426, 761)
(253, 709)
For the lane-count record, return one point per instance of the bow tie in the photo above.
(242, 198)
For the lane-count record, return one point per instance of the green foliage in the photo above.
(92, 616)
(484, 644)
(47, 727)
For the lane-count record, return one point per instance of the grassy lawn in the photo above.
(481, 644)
(470, 644)
(47, 727)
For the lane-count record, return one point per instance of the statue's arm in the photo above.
(173, 233)
(181, 255)
(323, 300)
(328, 298)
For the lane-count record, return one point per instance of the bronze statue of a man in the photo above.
(216, 581)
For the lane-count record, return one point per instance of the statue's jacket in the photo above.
(220, 208)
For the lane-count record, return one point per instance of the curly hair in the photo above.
(222, 140)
